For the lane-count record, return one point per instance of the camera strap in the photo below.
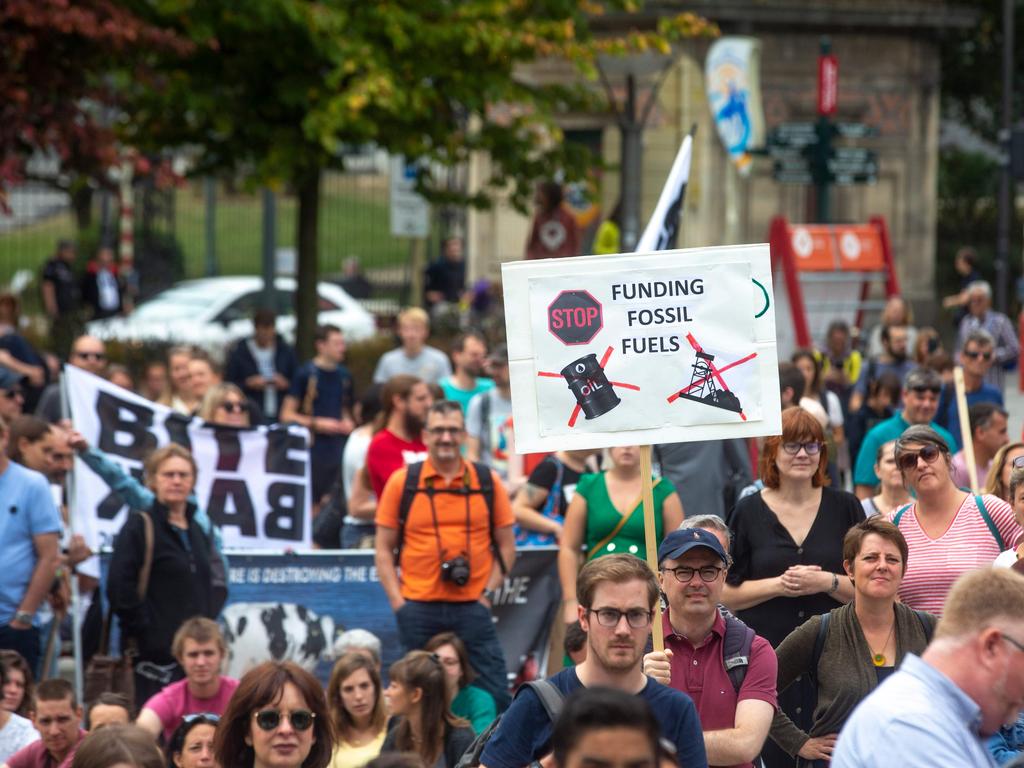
(430, 491)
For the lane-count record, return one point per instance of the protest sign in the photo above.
(253, 483)
(671, 346)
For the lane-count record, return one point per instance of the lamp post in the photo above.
(630, 73)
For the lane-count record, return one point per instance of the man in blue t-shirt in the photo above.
(976, 358)
(320, 399)
(616, 595)
(30, 551)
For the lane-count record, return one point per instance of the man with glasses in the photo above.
(1006, 346)
(938, 708)
(698, 657)
(616, 595)
(57, 717)
(976, 358)
(448, 524)
(12, 398)
(200, 650)
(921, 388)
(87, 353)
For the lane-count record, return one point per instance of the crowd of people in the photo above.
(853, 600)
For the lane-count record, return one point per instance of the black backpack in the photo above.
(736, 649)
(550, 698)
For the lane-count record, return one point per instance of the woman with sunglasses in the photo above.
(1007, 458)
(948, 531)
(191, 746)
(277, 718)
(224, 405)
(1009, 557)
(788, 548)
(860, 644)
(188, 570)
(468, 701)
(891, 491)
(418, 697)
(356, 703)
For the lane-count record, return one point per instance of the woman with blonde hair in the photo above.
(224, 405)
(418, 697)
(356, 703)
(1007, 458)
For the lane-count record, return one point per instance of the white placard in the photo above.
(253, 483)
(642, 349)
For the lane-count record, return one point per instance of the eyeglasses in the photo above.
(975, 355)
(637, 618)
(921, 390)
(439, 431)
(909, 460)
(1015, 643)
(208, 716)
(811, 449)
(91, 355)
(684, 573)
(12, 394)
(270, 719)
(231, 407)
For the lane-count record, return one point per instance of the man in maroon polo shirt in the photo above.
(58, 718)
(693, 562)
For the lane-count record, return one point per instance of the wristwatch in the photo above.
(835, 583)
(23, 617)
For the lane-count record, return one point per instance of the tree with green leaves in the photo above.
(276, 88)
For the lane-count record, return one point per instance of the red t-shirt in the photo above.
(700, 673)
(175, 701)
(387, 453)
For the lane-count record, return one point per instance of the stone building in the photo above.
(889, 77)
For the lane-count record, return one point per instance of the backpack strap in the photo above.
(989, 521)
(926, 625)
(819, 643)
(899, 514)
(412, 481)
(486, 482)
(736, 650)
(550, 697)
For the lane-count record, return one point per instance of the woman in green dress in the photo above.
(606, 517)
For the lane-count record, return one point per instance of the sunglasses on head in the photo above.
(921, 389)
(1018, 463)
(235, 407)
(270, 719)
(205, 716)
(909, 460)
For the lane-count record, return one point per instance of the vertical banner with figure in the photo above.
(733, 81)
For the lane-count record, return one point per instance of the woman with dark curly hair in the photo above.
(277, 718)
(191, 745)
(18, 686)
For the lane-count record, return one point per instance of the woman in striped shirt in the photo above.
(948, 531)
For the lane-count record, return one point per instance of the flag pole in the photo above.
(650, 539)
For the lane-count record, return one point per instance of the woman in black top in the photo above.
(423, 723)
(788, 548)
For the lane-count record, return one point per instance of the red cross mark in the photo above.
(715, 371)
(603, 362)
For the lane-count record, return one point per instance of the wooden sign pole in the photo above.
(965, 428)
(650, 539)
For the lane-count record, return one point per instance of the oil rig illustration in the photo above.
(703, 389)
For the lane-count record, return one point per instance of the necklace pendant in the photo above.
(878, 660)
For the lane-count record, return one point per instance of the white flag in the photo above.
(663, 227)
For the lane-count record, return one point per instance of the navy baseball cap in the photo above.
(681, 541)
(9, 379)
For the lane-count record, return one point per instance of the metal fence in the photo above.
(217, 229)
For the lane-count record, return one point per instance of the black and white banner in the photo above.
(253, 483)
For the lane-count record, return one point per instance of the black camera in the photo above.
(456, 571)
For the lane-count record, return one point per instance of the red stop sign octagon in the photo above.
(575, 317)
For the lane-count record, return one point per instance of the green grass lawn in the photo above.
(353, 222)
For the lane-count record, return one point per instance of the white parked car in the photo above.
(215, 311)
